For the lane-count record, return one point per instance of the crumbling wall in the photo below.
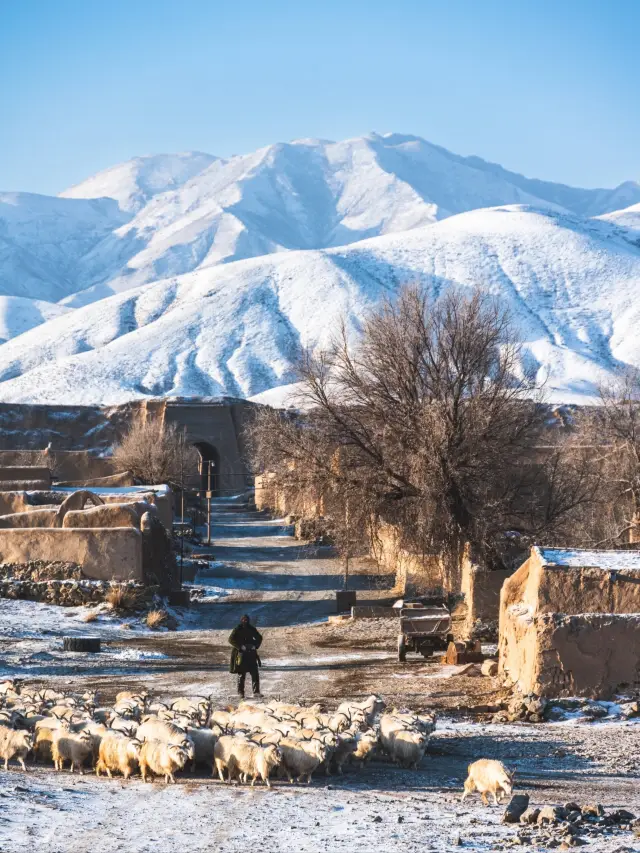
(590, 654)
(37, 517)
(104, 554)
(570, 630)
(268, 496)
(481, 591)
(109, 515)
(124, 478)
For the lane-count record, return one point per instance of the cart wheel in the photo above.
(402, 648)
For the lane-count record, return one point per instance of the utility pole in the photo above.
(209, 502)
(182, 440)
(347, 544)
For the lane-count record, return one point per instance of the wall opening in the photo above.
(209, 468)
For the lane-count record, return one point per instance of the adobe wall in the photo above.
(103, 554)
(269, 497)
(162, 498)
(590, 654)
(414, 574)
(11, 502)
(481, 590)
(569, 630)
(75, 442)
(220, 425)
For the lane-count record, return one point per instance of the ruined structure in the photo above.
(74, 442)
(112, 534)
(570, 623)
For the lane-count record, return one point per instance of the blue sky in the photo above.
(550, 89)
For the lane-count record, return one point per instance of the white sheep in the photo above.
(367, 710)
(44, 731)
(139, 698)
(154, 729)
(341, 752)
(366, 744)
(301, 758)
(408, 748)
(124, 725)
(118, 752)
(488, 776)
(74, 747)
(223, 754)
(97, 732)
(161, 759)
(255, 762)
(15, 743)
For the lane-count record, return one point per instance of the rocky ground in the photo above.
(289, 589)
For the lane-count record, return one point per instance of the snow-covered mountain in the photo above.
(197, 275)
(629, 217)
(235, 328)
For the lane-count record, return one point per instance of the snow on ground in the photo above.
(31, 639)
(50, 813)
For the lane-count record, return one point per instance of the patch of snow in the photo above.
(577, 558)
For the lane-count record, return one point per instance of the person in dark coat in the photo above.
(244, 658)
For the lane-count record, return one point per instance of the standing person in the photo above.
(244, 658)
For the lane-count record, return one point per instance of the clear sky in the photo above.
(550, 88)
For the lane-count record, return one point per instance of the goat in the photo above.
(118, 752)
(15, 744)
(488, 776)
(161, 759)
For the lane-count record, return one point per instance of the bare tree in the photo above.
(613, 434)
(428, 422)
(155, 453)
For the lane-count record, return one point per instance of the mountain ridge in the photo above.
(118, 287)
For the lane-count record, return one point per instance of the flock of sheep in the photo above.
(247, 743)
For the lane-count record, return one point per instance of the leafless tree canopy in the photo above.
(612, 431)
(427, 422)
(156, 453)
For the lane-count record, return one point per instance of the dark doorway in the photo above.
(209, 467)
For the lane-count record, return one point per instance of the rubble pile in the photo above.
(41, 570)
(571, 825)
(527, 709)
(485, 630)
(70, 593)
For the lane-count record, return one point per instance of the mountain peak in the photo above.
(133, 183)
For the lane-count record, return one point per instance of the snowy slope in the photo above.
(18, 315)
(194, 211)
(570, 283)
(42, 240)
(629, 217)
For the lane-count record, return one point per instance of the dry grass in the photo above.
(156, 618)
(90, 617)
(122, 598)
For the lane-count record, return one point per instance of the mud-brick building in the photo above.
(570, 623)
(76, 441)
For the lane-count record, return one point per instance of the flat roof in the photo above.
(112, 490)
(584, 559)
